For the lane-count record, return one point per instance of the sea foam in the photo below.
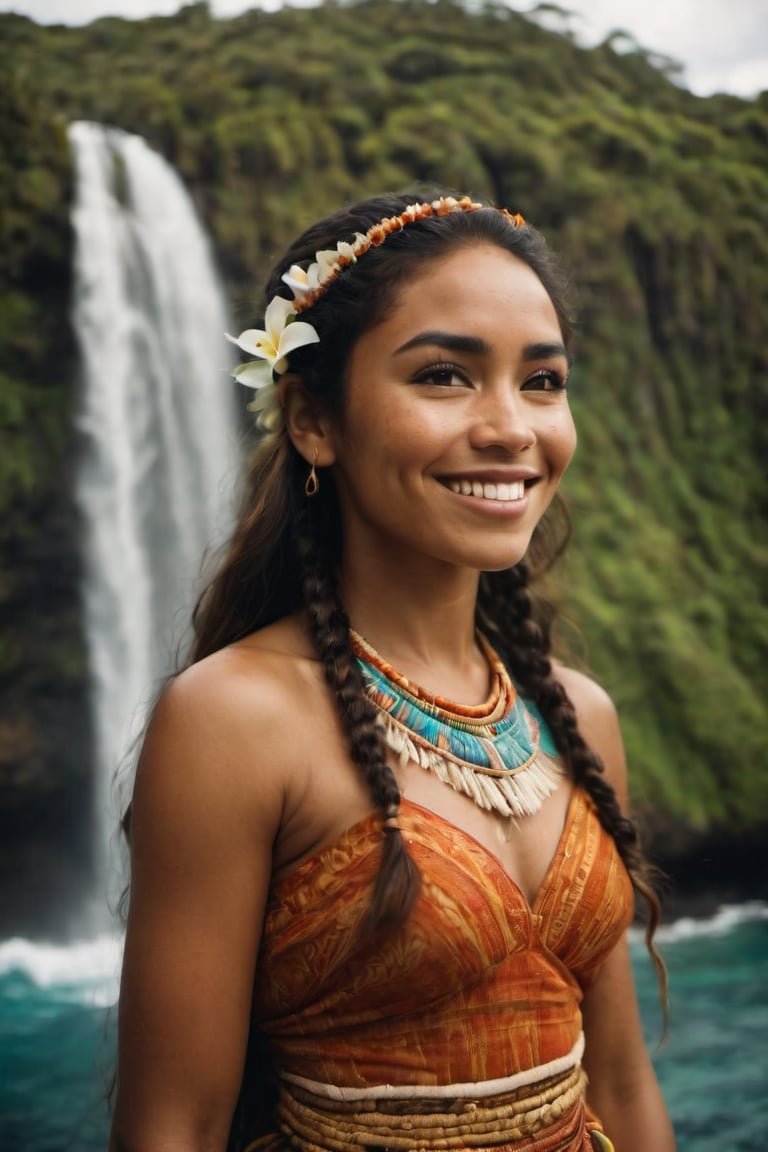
(87, 967)
(94, 965)
(727, 918)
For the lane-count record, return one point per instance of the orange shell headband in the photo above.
(309, 284)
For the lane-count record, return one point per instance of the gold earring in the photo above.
(312, 486)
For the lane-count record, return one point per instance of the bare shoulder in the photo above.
(598, 723)
(588, 697)
(248, 685)
(224, 733)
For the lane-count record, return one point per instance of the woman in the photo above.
(421, 905)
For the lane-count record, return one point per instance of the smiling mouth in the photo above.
(487, 491)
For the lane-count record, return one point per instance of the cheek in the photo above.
(398, 437)
(562, 439)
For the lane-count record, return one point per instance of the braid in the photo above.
(506, 607)
(398, 881)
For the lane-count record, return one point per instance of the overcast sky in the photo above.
(723, 44)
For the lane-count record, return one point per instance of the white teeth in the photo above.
(513, 491)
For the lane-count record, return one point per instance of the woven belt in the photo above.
(549, 1117)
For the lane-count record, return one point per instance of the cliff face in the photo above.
(659, 203)
(45, 785)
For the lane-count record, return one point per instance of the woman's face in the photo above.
(455, 429)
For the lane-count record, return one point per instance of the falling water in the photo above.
(157, 425)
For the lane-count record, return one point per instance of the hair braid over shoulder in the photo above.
(286, 551)
(506, 605)
(397, 880)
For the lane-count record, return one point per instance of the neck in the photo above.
(422, 623)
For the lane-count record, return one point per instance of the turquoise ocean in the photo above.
(57, 1028)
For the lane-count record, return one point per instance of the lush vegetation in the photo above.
(658, 201)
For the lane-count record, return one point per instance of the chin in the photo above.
(502, 567)
(495, 561)
(499, 559)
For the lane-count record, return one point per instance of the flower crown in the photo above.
(283, 333)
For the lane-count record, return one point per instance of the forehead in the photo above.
(478, 290)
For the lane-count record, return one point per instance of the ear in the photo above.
(307, 426)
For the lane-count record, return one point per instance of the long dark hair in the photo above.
(286, 549)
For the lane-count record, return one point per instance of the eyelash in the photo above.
(556, 379)
(444, 368)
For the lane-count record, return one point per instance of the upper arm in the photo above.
(623, 1089)
(622, 1086)
(206, 808)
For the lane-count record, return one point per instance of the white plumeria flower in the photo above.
(321, 270)
(273, 344)
(266, 403)
(299, 281)
(347, 251)
(303, 281)
(327, 263)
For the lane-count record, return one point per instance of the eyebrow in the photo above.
(475, 346)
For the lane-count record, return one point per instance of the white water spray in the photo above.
(157, 424)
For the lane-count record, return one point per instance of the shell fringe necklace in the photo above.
(500, 754)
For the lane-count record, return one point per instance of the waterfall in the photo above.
(156, 422)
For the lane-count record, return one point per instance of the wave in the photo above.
(86, 969)
(93, 966)
(727, 919)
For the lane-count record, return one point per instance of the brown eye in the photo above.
(443, 376)
(547, 380)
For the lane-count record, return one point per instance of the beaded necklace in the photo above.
(500, 753)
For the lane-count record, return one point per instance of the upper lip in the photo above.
(493, 475)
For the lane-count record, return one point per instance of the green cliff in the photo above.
(658, 201)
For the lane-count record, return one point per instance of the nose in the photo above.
(502, 419)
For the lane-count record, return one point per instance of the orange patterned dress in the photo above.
(475, 998)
